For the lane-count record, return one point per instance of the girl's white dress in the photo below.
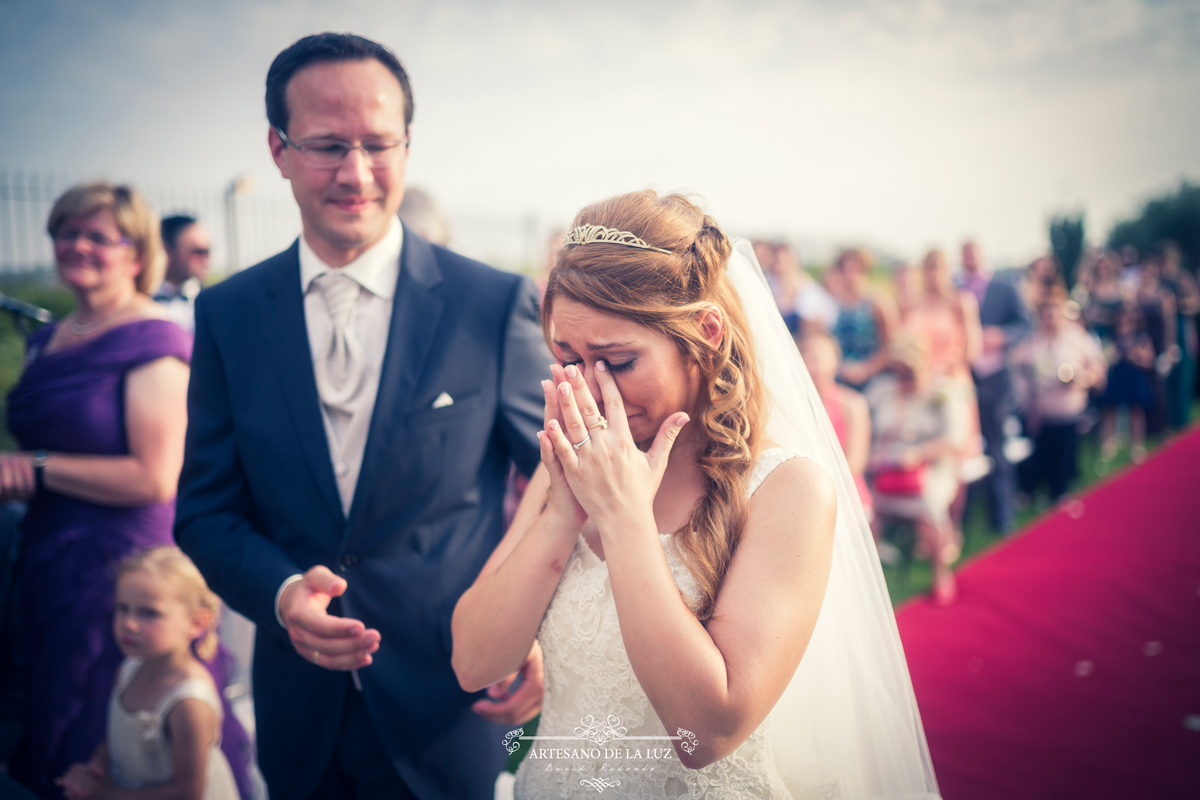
(139, 744)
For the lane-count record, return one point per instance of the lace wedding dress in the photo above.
(594, 704)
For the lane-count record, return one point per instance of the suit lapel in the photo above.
(286, 334)
(416, 311)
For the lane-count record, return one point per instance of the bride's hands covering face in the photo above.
(608, 475)
(560, 501)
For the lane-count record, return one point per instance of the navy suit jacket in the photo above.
(1002, 307)
(258, 501)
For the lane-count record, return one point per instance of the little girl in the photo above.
(164, 718)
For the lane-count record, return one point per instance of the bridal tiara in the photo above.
(587, 234)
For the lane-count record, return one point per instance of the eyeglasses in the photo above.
(330, 153)
(69, 236)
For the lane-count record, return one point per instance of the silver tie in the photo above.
(341, 367)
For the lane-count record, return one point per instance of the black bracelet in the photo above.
(40, 457)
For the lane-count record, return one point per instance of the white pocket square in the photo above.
(442, 401)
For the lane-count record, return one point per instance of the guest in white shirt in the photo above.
(1057, 369)
(188, 247)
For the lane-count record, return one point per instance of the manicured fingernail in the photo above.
(601, 366)
(564, 389)
(553, 425)
(682, 421)
(546, 384)
(571, 371)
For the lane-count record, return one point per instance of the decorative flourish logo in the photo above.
(599, 784)
(600, 732)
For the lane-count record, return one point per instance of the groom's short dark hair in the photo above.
(323, 47)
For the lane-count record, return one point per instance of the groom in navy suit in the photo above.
(355, 403)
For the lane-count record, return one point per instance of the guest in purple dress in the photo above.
(100, 414)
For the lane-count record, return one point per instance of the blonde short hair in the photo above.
(172, 565)
(135, 219)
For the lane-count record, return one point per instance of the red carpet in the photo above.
(1070, 666)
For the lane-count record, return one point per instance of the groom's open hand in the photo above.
(512, 705)
(331, 642)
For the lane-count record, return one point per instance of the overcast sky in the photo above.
(893, 122)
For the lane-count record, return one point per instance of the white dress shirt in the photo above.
(376, 271)
(179, 302)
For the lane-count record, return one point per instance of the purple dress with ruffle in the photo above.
(73, 401)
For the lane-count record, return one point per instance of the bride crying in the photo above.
(692, 556)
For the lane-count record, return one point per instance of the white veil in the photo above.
(849, 716)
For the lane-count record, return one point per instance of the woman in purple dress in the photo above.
(100, 413)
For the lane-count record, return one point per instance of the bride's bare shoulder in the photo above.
(798, 493)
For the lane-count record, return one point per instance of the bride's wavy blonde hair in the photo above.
(668, 293)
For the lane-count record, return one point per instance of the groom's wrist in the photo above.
(279, 596)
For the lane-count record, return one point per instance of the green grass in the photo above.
(41, 289)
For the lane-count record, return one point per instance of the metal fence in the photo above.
(248, 223)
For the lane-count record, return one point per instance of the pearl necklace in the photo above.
(91, 327)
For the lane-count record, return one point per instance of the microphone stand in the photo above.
(24, 315)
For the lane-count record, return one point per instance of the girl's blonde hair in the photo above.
(668, 292)
(136, 221)
(173, 566)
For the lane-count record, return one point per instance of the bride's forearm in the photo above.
(676, 662)
(496, 621)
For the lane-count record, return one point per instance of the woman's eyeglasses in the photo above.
(70, 235)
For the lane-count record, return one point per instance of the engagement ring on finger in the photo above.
(602, 425)
(581, 444)
(316, 655)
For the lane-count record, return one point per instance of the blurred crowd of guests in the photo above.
(937, 379)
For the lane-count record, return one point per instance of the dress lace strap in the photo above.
(767, 461)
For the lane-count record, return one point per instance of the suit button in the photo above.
(348, 561)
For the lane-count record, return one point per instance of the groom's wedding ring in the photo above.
(316, 656)
(602, 425)
(581, 444)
